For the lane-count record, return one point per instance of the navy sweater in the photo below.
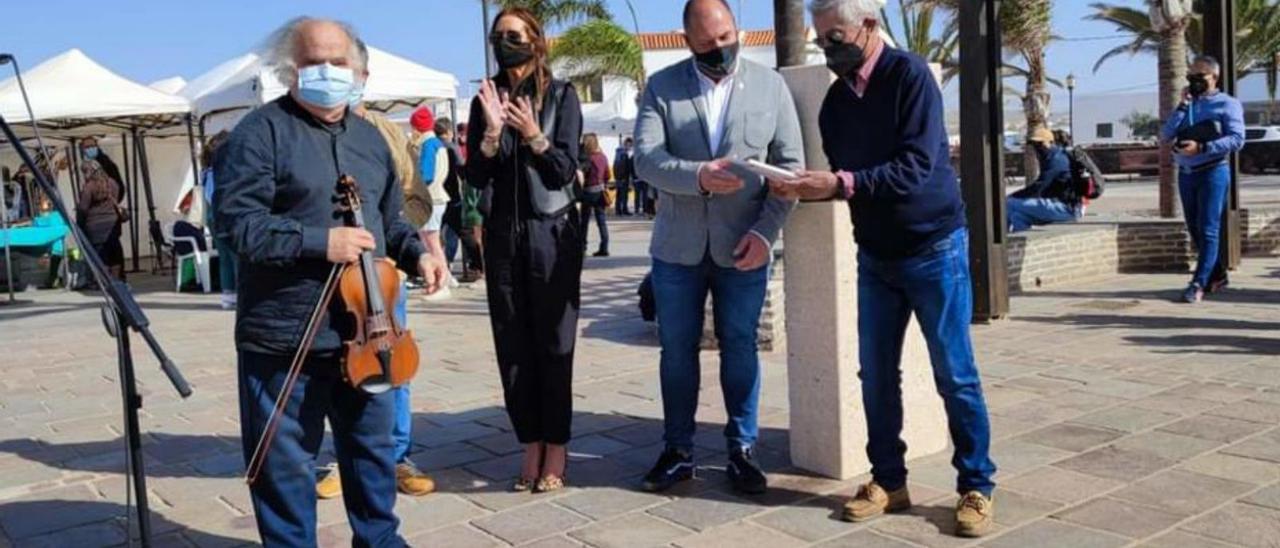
(894, 141)
(274, 204)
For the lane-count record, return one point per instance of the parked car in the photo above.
(1261, 149)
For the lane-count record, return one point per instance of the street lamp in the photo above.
(1071, 106)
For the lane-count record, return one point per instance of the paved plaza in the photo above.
(1121, 418)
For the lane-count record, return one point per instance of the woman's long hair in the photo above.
(538, 39)
(590, 143)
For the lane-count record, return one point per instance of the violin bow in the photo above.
(295, 368)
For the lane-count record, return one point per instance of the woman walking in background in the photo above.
(99, 213)
(523, 145)
(595, 173)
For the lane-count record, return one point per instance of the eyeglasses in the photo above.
(834, 36)
(511, 36)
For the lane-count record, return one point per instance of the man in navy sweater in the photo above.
(882, 130)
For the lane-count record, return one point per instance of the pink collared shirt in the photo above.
(859, 87)
(863, 77)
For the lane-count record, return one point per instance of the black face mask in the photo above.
(845, 59)
(510, 54)
(1198, 85)
(717, 63)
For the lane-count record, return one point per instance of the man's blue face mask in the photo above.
(357, 95)
(325, 85)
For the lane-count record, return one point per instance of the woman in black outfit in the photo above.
(523, 144)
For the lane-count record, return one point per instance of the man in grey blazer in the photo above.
(715, 228)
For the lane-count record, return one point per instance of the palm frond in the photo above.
(599, 48)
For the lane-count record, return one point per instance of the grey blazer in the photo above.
(671, 144)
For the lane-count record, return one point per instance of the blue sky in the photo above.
(147, 40)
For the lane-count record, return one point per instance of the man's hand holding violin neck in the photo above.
(346, 244)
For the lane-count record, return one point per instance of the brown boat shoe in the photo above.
(412, 481)
(872, 501)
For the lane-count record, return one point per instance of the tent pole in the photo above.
(73, 163)
(4, 225)
(152, 223)
(133, 201)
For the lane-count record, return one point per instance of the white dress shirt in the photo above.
(716, 100)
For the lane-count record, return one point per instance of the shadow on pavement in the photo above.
(61, 523)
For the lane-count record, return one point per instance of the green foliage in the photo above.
(598, 48)
(1142, 125)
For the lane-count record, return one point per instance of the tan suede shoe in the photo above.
(872, 500)
(974, 515)
(412, 481)
(330, 485)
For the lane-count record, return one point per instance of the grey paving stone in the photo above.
(1213, 428)
(1070, 437)
(554, 542)
(1172, 447)
(1268, 497)
(105, 533)
(1212, 391)
(529, 522)
(1178, 405)
(637, 530)
(812, 520)
(1120, 517)
(1262, 447)
(1183, 539)
(1231, 467)
(433, 512)
(705, 511)
(1126, 418)
(1240, 524)
(1256, 411)
(1115, 463)
(1182, 492)
(865, 538)
(605, 502)
(457, 536)
(1051, 533)
(1058, 484)
(735, 535)
(1014, 508)
(1013, 456)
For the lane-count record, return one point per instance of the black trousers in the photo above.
(472, 260)
(533, 275)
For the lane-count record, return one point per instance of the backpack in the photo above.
(1085, 175)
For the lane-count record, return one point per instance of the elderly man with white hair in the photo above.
(274, 201)
(883, 131)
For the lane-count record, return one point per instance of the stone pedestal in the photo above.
(828, 428)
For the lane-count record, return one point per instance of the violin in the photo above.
(382, 353)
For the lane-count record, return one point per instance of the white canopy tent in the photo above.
(125, 112)
(221, 96)
(614, 116)
(171, 85)
(59, 90)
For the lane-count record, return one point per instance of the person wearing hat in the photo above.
(431, 157)
(1052, 198)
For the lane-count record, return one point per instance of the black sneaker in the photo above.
(673, 466)
(601, 253)
(745, 474)
(1217, 283)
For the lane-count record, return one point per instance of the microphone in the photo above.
(5, 58)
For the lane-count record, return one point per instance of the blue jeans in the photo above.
(401, 431)
(450, 243)
(1027, 212)
(935, 287)
(1204, 195)
(284, 495)
(737, 298)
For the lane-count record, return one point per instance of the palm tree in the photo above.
(599, 48)
(1164, 29)
(556, 13)
(1025, 29)
(915, 35)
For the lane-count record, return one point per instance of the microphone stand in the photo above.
(120, 314)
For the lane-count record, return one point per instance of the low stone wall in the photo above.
(1098, 248)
